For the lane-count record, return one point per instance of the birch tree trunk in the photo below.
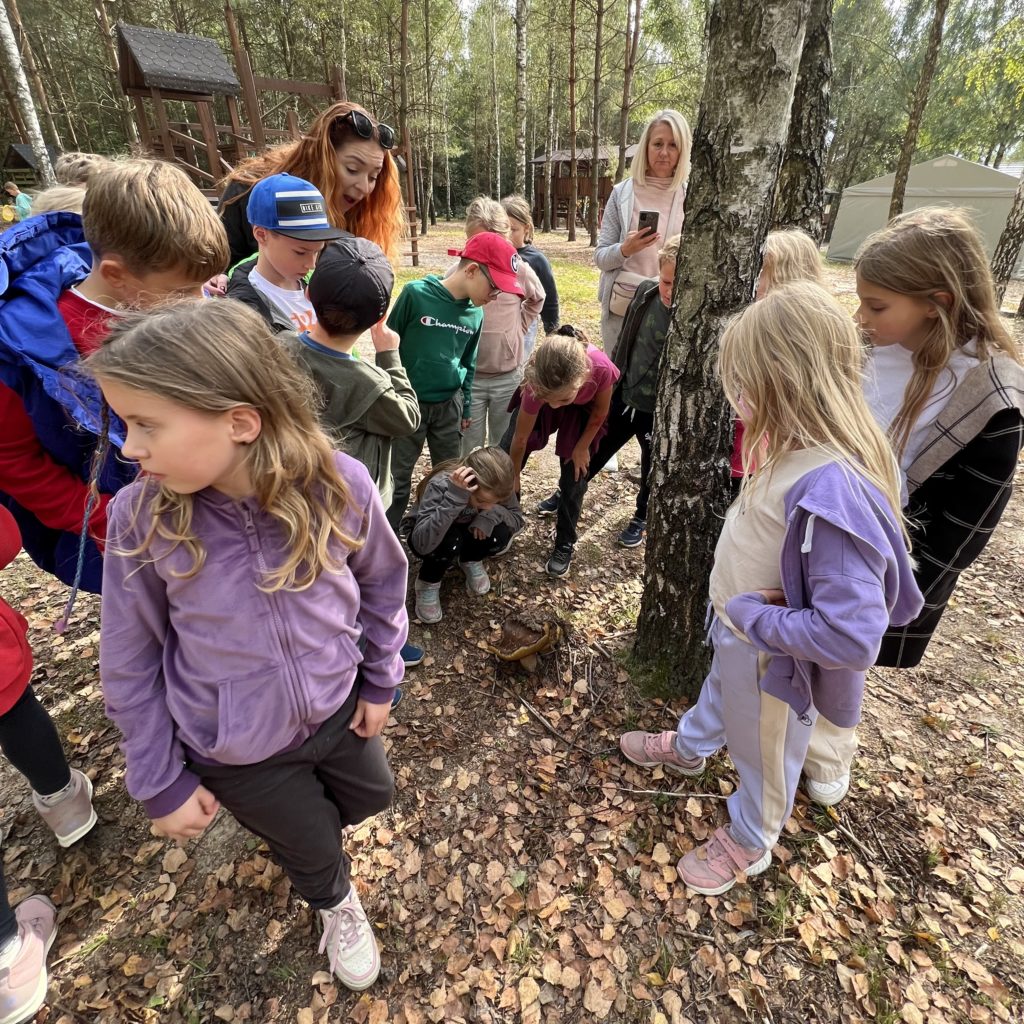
(1004, 259)
(521, 18)
(573, 177)
(595, 126)
(131, 132)
(32, 71)
(753, 59)
(924, 84)
(550, 143)
(800, 202)
(14, 73)
(495, 103)
(632, 48)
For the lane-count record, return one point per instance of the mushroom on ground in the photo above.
(519, 641)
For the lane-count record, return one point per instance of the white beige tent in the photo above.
(946, 181)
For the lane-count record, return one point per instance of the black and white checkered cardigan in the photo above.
(959, 485)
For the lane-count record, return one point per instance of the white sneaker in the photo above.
(428, 602)
(828, 794)
(350, 943)
(612, 465)
(477, 580)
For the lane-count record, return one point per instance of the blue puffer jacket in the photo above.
(39, 259)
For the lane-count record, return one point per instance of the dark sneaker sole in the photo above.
(544, 512)
(557, 573)
(630, 543)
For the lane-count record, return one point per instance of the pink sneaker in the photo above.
(72, 817)
(350, 944)
(715, 866)
(648, 749)
(23, 982)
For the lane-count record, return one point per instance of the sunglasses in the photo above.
(365, 128)
(495, 290)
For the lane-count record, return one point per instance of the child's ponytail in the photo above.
(559, 363)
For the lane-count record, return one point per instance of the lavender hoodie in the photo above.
(215, 669)
(846, 575)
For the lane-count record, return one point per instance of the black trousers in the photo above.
(571, 490)
(300, 800)
(625, 423)
(30, 741)
(459, 543)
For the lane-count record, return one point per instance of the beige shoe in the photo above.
(73, 816)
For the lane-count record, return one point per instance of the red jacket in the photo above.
(15, 653)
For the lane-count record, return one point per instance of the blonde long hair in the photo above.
(922, 253)
(486, 214)
(791, 366)
(213, 357)
(794, 256)
(684, 140)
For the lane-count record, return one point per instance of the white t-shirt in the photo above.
(291, 301)
(887, 374)
(750, 545)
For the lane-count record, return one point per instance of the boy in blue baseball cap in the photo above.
(289, 221)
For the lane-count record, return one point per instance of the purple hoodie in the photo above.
(213, 668)
(846, 575)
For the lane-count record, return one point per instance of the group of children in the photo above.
(253, 579)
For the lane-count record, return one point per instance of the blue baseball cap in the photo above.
(290, 206)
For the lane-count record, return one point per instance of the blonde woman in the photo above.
(811, 567)
(244, 517)
(508, 319)
(627, 253)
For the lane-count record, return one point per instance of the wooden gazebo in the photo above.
(561, 180)
(20, 164)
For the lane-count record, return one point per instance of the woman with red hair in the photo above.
(347, 154)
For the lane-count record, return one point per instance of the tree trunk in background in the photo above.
(1004, 259)
(573, 178)
(800, 201)
(131, 132)
(924, 84)
(550, 143)
(51, 77)
(428, 216)
(595, 127)
(12, 106)
(753, 59)
(632, 48)
(18, 83)
(521, 17)
(32, 71)
(495, 103)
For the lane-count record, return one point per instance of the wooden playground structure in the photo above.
(157, 68)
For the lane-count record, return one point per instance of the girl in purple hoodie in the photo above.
(253, 605)
(810, 569)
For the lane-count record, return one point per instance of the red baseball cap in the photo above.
(498, 255)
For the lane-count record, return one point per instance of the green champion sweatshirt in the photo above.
(440, 335)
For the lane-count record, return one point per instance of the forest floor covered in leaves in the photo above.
(526, 872)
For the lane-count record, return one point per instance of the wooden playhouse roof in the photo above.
(19, 156)
(584, 153)
(153, 59)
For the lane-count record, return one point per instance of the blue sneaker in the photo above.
(396, 697)
(412, 656)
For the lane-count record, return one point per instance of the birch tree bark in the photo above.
(632, 48)
(14, 73)
(573, 175)
(1004, 259)
(595, 125)
(753, 58)
(521, 17)
(800, 201)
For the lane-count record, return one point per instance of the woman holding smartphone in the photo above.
(643, 210)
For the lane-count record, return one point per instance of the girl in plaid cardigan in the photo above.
(945, 379)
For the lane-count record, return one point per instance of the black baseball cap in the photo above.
(354, 277)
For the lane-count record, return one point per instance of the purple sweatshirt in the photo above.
(213, 668)
(846, 575)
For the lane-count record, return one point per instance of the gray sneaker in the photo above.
(73, 817)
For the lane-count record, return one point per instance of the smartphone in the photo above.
(648, 219)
